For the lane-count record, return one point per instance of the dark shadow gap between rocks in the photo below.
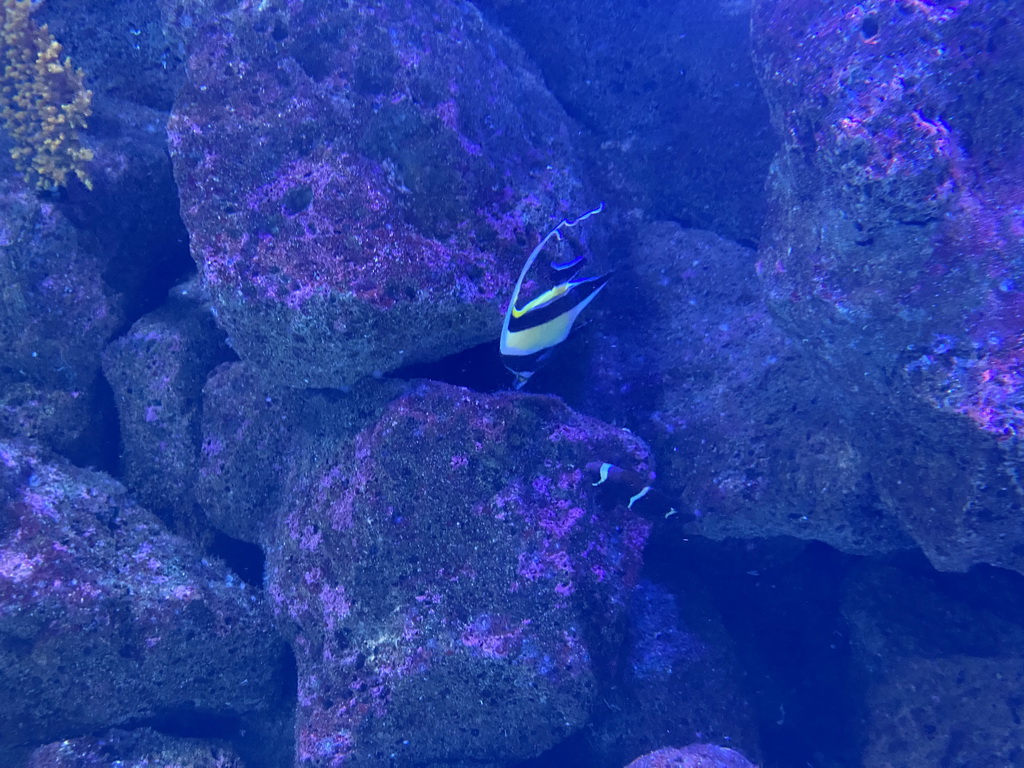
(571, 753)
(478, 368)
(780, 600)
(103, 452)
(245, 559)
(189, 722)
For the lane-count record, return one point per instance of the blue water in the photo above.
(337, 535)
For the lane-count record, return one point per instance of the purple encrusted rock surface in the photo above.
(452, 590)
(106, 617)
(259, 441)
(894, 247)
(895, 202)
(243, 462)
(142, 748)
(361, 181)
(693, 756)
(157, 371)
(736, 412)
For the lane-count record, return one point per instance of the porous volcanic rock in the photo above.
(361, 181)
(894, 247)
(105, 617)
(453, 592)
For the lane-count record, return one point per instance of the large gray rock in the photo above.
(105, 617)
(361, 181)
(893, 249)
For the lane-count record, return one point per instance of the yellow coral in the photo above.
(43, 100)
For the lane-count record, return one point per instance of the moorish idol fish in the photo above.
(636, 492)
(529, 333)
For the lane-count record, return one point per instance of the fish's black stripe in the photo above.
(564, 303)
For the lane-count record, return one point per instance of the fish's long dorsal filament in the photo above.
(556, 233)
(530, 332)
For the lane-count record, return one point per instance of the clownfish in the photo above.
(636, 492)
(529, 333)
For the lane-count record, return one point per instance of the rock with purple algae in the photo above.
(361, 181)
(106, 617)
(894, 246)
(736, 412)
(942, 664)
(681, 680)
(453, 593)
(56, 312)
(157, 371)
(143, 748)
(258, 441)
(693, 756)
(893, 213)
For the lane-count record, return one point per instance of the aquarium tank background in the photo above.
(511, 384)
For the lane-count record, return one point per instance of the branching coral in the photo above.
(43, 100)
